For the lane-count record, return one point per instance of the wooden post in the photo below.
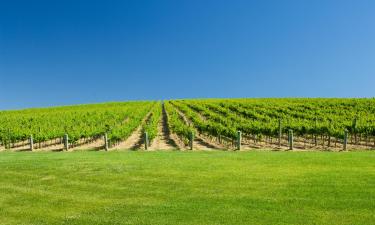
(146, 140)
(280, 133)
(106, 141)
(191, 139)
(345, 140)
(315, 135)
(329, 141)
(66, 142)
(329, 133)
(354, 127)
(290, 138)
(239, 139)
(9, 140)
(31, 142)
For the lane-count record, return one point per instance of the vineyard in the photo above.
(329, 124)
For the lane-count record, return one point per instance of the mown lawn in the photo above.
(187, 187)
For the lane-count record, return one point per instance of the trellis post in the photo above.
(145, 136)
(354, 128)
(290, 138)
(66, 142)
(345, 140)
(191, 139)
(316, 130)
(31, 142)
(280, 132)
(239, 139)
(106, 141)
(7, 145)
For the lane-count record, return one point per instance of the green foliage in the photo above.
(83, 121)
(261, 116)
(176, 123)
(151, 125)
(187, 187)
(211, 116)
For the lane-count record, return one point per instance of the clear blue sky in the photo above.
(71, 51)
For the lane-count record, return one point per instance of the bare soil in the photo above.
(163, 141)
(201, 142)
(299, 145)
(21, 148)
(133, 142)
(96, 144)
(53, 144)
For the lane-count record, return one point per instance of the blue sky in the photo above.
(68, 52)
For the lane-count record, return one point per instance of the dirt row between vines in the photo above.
(164, 140)
(200, 141)
(203, 142)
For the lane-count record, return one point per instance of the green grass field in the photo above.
(137, 187)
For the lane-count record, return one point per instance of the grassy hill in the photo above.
(187, 187)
